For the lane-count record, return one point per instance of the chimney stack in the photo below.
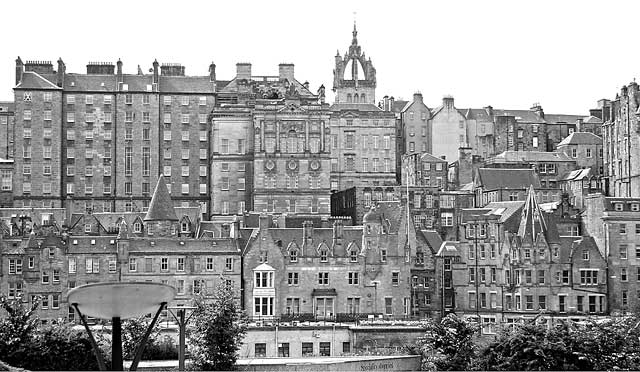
(19, 70)
(119, 70)
(263, 222)
(212, 72)
(156, 73)
(243, 71)
(62, 69)
(285, 71)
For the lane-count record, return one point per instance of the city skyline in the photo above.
(491, 48)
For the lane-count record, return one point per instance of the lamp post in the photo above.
(182, 321)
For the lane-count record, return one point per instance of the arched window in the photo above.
(348, 97)
(356, 99)
(362, 98)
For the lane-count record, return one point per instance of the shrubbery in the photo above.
(26, 344)
(590, 345)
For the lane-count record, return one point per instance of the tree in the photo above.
(448, 345)
(16, 328)
(219, 328)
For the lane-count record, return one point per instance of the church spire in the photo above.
(354, 41)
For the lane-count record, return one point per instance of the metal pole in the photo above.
(182, 325)
(140, 348)
(96, 349)
(116, 344)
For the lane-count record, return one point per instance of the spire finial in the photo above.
(355, 31)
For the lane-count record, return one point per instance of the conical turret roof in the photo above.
(161, 207)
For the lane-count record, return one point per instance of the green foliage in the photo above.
(26, 344)
(610, 344)
(448, 345)
(155, 348)
(218, 329)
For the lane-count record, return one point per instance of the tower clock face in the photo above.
(293, 165)
(314, 165)
(269, 165)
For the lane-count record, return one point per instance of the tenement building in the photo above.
(363, 136)
(511, 262)
(269, 145)
(42, 262)
(99, 140)
(622, 144)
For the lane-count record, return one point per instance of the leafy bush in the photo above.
(448, 345)
(26, 344)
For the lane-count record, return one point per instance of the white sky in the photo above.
(508, 54)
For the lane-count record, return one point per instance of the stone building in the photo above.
(7, 112)
(82, 135)
(449, 130)
(164, 245)
(586, 149)
(549, 166)
(614, 224)
(415, 119)
(363, 138)
(269, 145)
(503, 184)
(341, 273)
(621, 144)
(510, 262)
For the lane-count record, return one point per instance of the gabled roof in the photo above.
(264, 267)
(533, 221)
(161, 206)
(430, 158)
(478, 114)
(33, 80)
(581, 138)
(506, 178)
(592, 120)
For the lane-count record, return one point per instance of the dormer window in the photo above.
(324, 255)
(87, 227)
(383, 255)
(293, 255)
(137, 227)
(184, 227)
(618, 207)
(353, 255)
(635, 207)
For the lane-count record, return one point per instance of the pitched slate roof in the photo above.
(527, 116)
(186, 84)
(137, 83)
(530, 156)
(562, 118)
(432, 238)
(581, 138)
(506, 178)
(430, 158)
(33, 80)
(477, 114)
(82, 82)
(577, 175)
(161, 206)
(593, 119)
